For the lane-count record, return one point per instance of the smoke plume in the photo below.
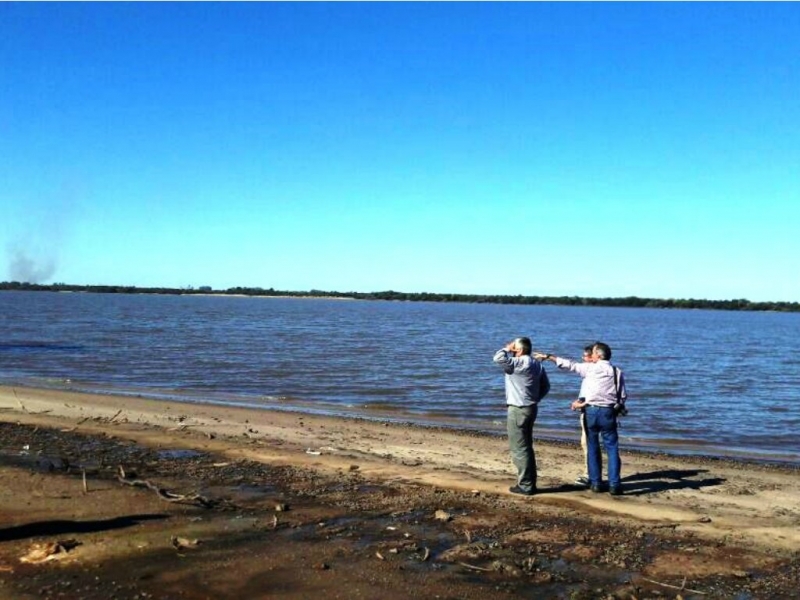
(41, 226)
(26, 269)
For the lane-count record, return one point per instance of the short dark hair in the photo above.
(588, 349)
(603, 350)
(524, 344)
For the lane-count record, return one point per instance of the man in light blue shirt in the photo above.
(526, 384)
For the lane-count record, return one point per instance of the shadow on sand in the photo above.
(52, 528)
(668, 479)
(639, 484)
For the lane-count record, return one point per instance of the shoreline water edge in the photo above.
(686, 488)
(396, 415)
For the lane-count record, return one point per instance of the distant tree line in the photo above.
(627, 301)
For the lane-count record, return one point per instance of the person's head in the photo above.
(601, 351)
(522, 346)
(587, 353)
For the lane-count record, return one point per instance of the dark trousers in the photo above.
(601, 421)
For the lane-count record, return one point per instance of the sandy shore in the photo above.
(720, 525)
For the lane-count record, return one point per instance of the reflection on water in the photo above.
(693, 381)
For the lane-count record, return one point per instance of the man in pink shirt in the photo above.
(603, 390)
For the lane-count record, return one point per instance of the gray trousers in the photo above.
(520, 442)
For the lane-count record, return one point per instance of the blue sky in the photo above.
(582, 149)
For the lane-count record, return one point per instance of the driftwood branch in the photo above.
(474, 568)
(681, 588)
(163, 493)
(25, 409)
(181, 427)
(21, 405)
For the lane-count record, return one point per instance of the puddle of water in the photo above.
(558, 566)
(241, 493)
(28, 460)
(371, 488)
(179, 453)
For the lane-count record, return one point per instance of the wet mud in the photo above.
(267, 531)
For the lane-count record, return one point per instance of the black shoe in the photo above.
(515, 489)
(597, 489)
(615, 491)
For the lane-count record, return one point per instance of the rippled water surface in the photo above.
(711, 382)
